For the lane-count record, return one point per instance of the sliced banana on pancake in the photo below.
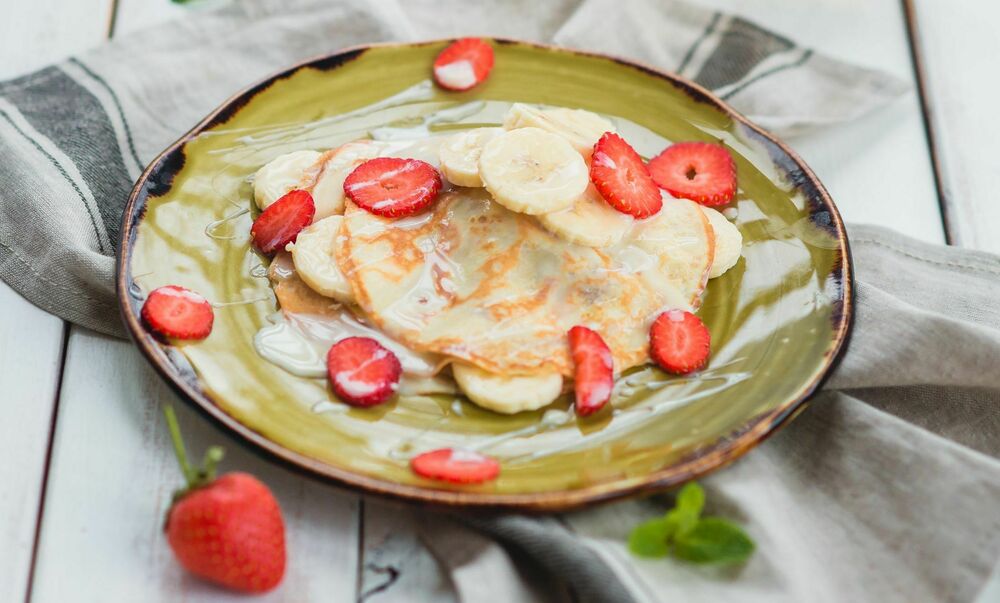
(590, 221)
(313, 256)
(505, 394)
(281, 175)
(728, 242)
(460, 155)
(532, 171)
(580, 128)
(324, 178)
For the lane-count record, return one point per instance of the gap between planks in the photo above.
(916, 56)
(63, 349)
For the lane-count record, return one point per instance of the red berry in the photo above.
(679, 342)
(622, 178)
(699, 171)
(393, 187)
(362, 372)
(463, 64)
(179, 313)
(281, 222)
(231, 532)
(455, 465)
(594, 370)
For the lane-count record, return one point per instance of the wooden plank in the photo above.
(878, 168)
(396, 565)
(32, 34)
(111, 478)
(956, 45)
(36, 33)
(133, 15)
(30, 362)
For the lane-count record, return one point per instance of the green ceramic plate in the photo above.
(778, 319)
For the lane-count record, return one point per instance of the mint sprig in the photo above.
(689, 536)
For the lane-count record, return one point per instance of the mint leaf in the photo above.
(680, 521)
(649, 538)
(714, 540)
(691, 499)
(687, 508)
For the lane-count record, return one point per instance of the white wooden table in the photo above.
(88, 470)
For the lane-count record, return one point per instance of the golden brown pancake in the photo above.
(476, 281)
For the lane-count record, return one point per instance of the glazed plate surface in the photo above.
(778, 320)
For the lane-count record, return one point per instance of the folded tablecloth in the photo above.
(888, 489)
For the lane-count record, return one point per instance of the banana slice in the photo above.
(580, 128)
(728, 242)
(507, 395)
(312, 254)
(590, 221)
(532, 171)
(460, 155)
(280, 175)
(325, 177)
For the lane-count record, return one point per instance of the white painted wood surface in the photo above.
(34, 34)
(959, 45)
(30, 361)
(112, 469)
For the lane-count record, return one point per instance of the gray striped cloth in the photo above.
(75, 136)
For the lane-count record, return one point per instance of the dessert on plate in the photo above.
(512, 265)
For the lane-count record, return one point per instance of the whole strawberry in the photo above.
(227, 530)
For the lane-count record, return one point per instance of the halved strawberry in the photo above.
(463, 64)
(622, 178)
(455, 465)
(679, 342)
(177, 312)
(393, 187)
(281, 222)
(594, 370)
(362, 372)
(700, 171)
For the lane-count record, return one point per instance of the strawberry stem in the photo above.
(195, 477)
(178, 442)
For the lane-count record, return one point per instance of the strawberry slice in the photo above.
(700, 171)
(393, 187)
(679, 342)
(456, 466)
(281, 222)
(594, 370)
(177, 312)
(463, 64)
(362, 372)
(622, 178)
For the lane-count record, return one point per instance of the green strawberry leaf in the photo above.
(714, 540)
(649, 538)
